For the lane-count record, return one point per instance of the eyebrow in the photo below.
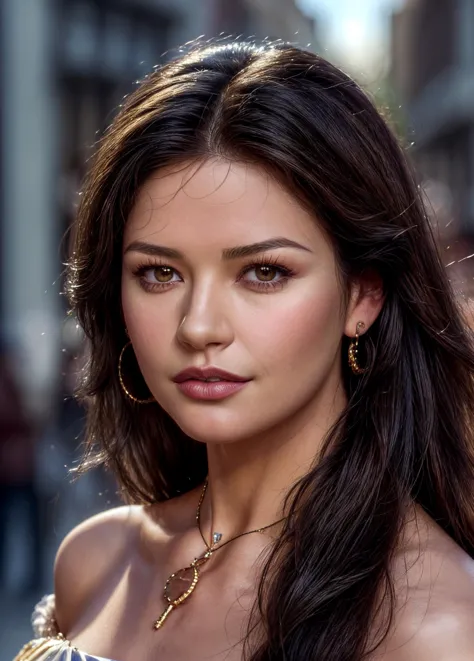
(238, 252)
(154, 250)
(262, 246)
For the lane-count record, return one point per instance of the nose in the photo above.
(205, 322)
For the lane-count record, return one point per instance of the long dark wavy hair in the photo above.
(406, 435)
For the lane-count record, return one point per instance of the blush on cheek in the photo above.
(144, 318)
(313, 322)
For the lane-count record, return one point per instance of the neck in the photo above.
(249, 479)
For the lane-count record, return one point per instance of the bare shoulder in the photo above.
(434, 592)
(95, 555)
(89, 555)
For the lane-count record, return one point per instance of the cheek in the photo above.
(136, 313)
(151, 325)
(310, 324)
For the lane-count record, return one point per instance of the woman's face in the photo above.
(224, 270)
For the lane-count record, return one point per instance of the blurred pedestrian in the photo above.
(19, 500)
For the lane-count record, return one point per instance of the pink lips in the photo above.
(193, 382)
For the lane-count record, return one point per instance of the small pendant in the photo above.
(216, 537)
(180, 586)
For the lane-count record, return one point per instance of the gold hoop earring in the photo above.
(353, 349)
(124, 387)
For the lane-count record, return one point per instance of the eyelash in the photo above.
(267, 287)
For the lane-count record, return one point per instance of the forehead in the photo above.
(219, 203)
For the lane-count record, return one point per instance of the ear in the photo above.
(365, 302)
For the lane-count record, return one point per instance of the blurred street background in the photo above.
(65, 66)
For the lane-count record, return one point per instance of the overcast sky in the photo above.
(356, 30)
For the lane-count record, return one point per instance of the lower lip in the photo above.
(210, 390)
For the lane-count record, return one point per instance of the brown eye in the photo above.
(266, 276)
(266, 273)
(163, 273)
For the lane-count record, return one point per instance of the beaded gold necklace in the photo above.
(183, 582)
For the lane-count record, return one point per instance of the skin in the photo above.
(287, 340)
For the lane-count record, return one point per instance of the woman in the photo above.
(299, 465)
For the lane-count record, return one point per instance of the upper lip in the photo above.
(207, 373)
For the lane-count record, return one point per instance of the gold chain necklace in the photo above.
(182, 583)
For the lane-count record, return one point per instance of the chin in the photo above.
(208, 426)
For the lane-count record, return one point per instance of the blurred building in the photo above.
(272, 19)
(432, 71)
(65, 65)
